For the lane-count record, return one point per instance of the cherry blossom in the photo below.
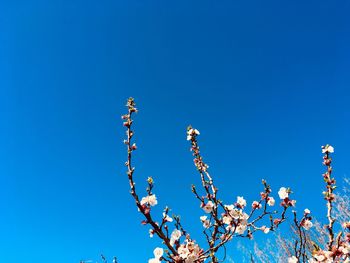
(154, 260)
(158, 252)
(192, 132)
(265, 229)
(222, 222)
(327, 149)
(205, 221)
(283, 193)
(292, 259)
(307, 224)
(150, 200)
(306, 211)
(256, 205)
(175, 236)
(208, 207)
(271, 201)
(241, 201)
(167, 218)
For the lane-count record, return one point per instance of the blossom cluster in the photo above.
(338, 245)
(221, 222)
(158, 254)
(189, 252)
(224, 221)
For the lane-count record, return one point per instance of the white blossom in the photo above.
(208, 207)
(271, 201)
(175, 235)
(265, 229)
(150, 200)
(154, 260)
(241, 228)
(292, 259)
(256, 205)
(327, 148)
(167, 218)
(226, 220)
(205, 221)
(283, 193)
(158, 252)
(307, 224)
(241, 201)
(229, 207)
(192, 132)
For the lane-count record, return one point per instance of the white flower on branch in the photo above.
(150, 200)
(265, 229)
(208, 207)
(205, 221)
(292, 260)
(256, 205)
(241, 228)
(345, 249)
(151, 232)
(271, 201)
(154, 260)
(229, 207)
(167, 218)
(307, 224)
(189, 252)
(236, 214)
(192, 132)
(327, 149)
(283, 193)
(175, 235)
(323, 256)
(226, 220)
(241, 201)
(158, 252)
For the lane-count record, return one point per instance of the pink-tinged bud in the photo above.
(147, 210)
(277, 221)
(306, 223)
(256, 205)
(144, 222)
(126, 124)
(347, 237)
(346, 225)
(327, 162)
(331, 197)
(263, 195)
(134, 147)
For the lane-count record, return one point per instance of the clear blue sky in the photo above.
(266, 83)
